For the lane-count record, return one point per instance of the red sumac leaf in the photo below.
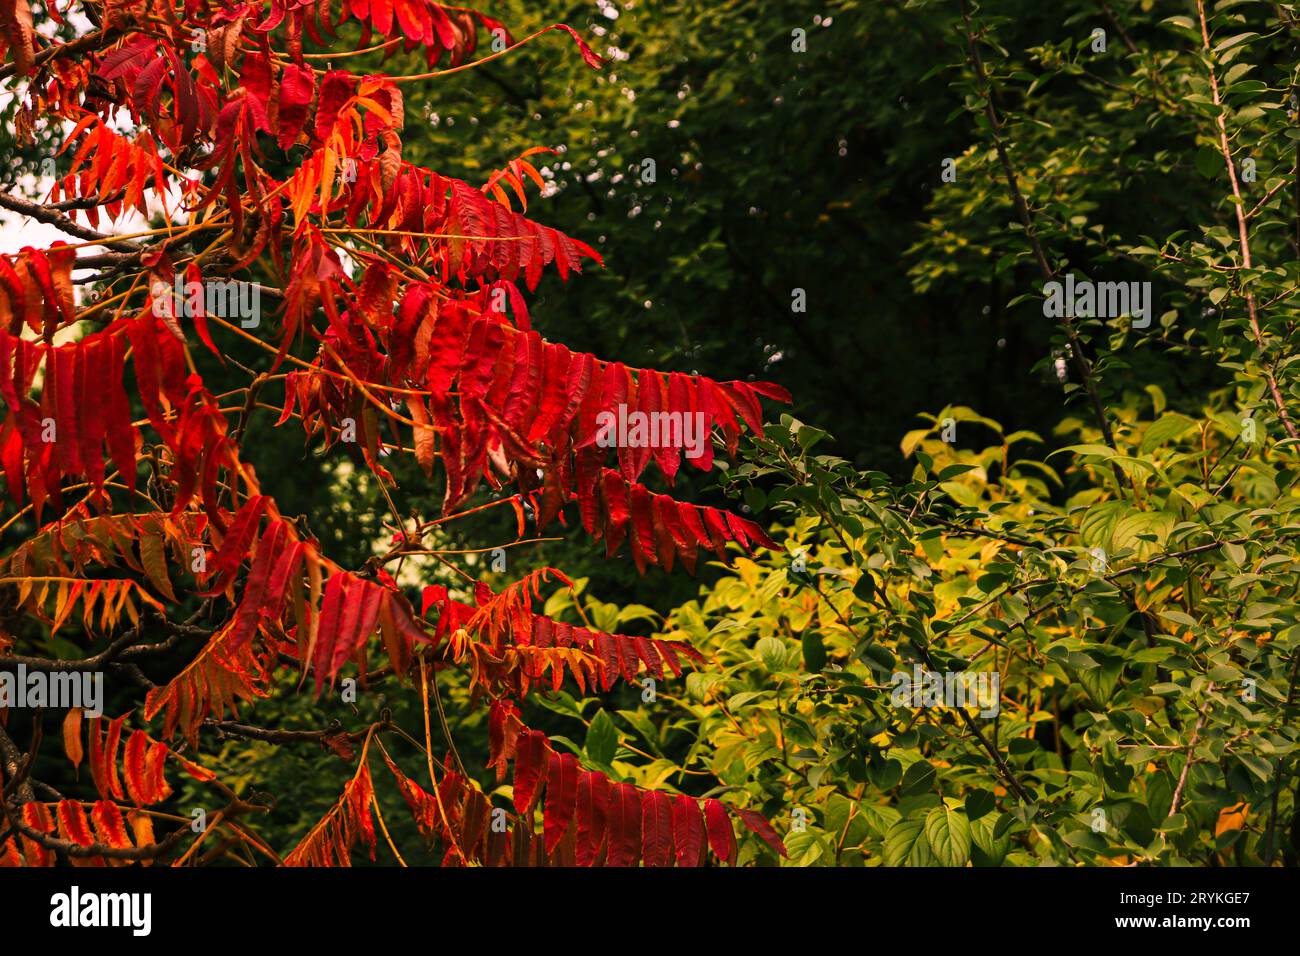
(112, 785)
(688, 830)
(760, 825)
(236, 544)
(592, 813)
(561, 797)
(473, 821)
(624, 825)
(72, 737)
(10, 858)
(722, 838)
(137, 748)
(37, 817)
(73, 824)
(296, 87)
(531, 752)
(109, 825)
(588, 55)
(656, 829)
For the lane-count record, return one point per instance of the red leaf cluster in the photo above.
(431, 331)
(142, 763)
(83, 411)
(615, 824)
(504, 624)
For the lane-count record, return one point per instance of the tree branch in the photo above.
(1243, 232)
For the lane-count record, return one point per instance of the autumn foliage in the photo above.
(397, 322)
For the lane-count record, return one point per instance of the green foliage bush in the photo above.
(1130, 577)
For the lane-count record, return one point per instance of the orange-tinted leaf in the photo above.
(72, 737)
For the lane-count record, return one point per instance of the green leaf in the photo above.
(1144, 531)
(1093, 450)
(1100, 681)
(1233, 41)
(948, 834)
(814, 651)
(1158, 400)
(952, 471)
(1209, 162)
(905, 844)
(602, 738)
(978, 803)
(918, 778)
(772, 651)
(561, 703)
(1165, 429)
(1257, 765)
(1099, 523)
(1116, 525)
(992, 847)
